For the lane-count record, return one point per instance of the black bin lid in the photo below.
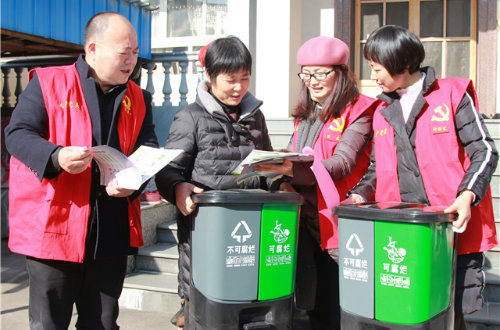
(395, 212)
(246, 196)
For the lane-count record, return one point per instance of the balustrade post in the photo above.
(19, 87)
(183, 89)
(167, 89)
(149, 86)
(6, 90)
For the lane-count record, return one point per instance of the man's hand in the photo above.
(353, 199)
(74, 160)
(114, 191)
(183, 191)
(461, 205)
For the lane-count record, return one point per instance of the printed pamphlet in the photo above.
(260, 157)
(131, 172)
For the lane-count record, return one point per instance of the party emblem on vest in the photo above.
(127, 104)
(337, 124)
(441, 115)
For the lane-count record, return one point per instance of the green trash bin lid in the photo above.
(394, 211)
(246, 196)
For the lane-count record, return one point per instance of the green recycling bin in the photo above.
(396, 266)
(243, 259)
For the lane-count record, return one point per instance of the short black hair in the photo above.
(98, 24)
(396, 48)
(227, 55)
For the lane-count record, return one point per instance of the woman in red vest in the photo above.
(432, 147)
(334, 120)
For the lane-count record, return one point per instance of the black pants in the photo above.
(93, 286)
(184, 227)
(469, 287)
(317, 283)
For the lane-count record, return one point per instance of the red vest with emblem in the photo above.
(442, 161)
(48, 219)
(324, 146)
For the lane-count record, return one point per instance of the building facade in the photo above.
(460, 38)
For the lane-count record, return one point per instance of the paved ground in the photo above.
(14, 300)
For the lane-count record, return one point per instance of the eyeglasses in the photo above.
(318, 75)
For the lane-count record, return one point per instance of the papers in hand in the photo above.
(133, 171)
(260, 157)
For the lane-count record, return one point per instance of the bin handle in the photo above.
(257, 325)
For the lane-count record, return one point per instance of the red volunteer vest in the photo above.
(324, 146)
(442, 161)
(48, 220)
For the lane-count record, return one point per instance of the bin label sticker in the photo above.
(395, 274)
(280, 235)
(354, 245)
(355, 269)
(241, 232)
(395, 281)
(240, 256)
(280, 254)
(395, 254)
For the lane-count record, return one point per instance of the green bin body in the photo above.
(396, 266)
(243, 259)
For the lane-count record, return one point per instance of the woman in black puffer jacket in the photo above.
(216, 132)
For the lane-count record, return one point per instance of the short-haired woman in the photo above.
(216, 132)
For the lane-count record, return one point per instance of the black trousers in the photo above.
(184, 228)
(93, 287)
(317, 283)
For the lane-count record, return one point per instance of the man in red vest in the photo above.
(75, 233)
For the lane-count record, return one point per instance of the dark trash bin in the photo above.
(396, 266)
(243, 259)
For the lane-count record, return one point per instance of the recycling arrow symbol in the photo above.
(354, 245)
(241, 232)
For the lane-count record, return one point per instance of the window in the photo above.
(447, 29)
(186, 18)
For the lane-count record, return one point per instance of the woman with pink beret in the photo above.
(334, 120)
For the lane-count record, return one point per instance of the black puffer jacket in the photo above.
(213, 144)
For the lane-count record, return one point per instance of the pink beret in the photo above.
(202, 53)
(323, 51)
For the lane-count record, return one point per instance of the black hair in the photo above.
(98, 24)
(396, 48)
(227, 55)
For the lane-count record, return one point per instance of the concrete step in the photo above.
(280, 131)
(151, 291)
(280, 124)
(496, 207)
(167, 232)
(493, 126)
(486, 318)
(154, 215)
(492, 260)
(279, 142)
(160, 257)
(492, 290)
